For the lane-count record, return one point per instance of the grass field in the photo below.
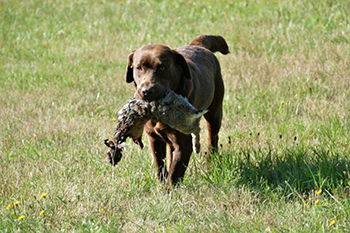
(284, 159)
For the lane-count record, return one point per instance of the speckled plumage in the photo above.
(172, 110)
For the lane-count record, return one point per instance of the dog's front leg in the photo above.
(158, 148)
(181, 153)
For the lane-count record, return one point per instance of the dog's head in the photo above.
(156, 68)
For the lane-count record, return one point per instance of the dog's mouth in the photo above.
(155, 94)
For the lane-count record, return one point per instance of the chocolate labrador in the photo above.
(192, 71)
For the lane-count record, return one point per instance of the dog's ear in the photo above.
(183, 64)
(129, 69)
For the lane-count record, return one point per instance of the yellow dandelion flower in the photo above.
(8, 207)
(319, 192)
(282, 102)
(16, 203)
(331, 223)
(13, 213)
(317, 201)
(340, 24)
(42, 212)
(43, 195)
(321, 25)
(20, 217)
(114, 119)
(313, 190)
(335, 18)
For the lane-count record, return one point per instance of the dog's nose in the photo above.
(146, 91)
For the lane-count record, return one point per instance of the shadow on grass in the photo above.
(292, 169)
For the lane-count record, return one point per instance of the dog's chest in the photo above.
(159, 129)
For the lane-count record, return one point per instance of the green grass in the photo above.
(286, 112)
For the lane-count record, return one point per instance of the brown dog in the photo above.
(192, 71)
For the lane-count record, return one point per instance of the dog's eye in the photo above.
(161, 68)
(139, 68)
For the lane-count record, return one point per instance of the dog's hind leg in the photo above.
(214, 117)
(213, 124)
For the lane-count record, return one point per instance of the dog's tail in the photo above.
(214, 43)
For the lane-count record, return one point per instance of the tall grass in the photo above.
(283, 163)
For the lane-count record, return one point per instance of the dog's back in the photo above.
(205, 68)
